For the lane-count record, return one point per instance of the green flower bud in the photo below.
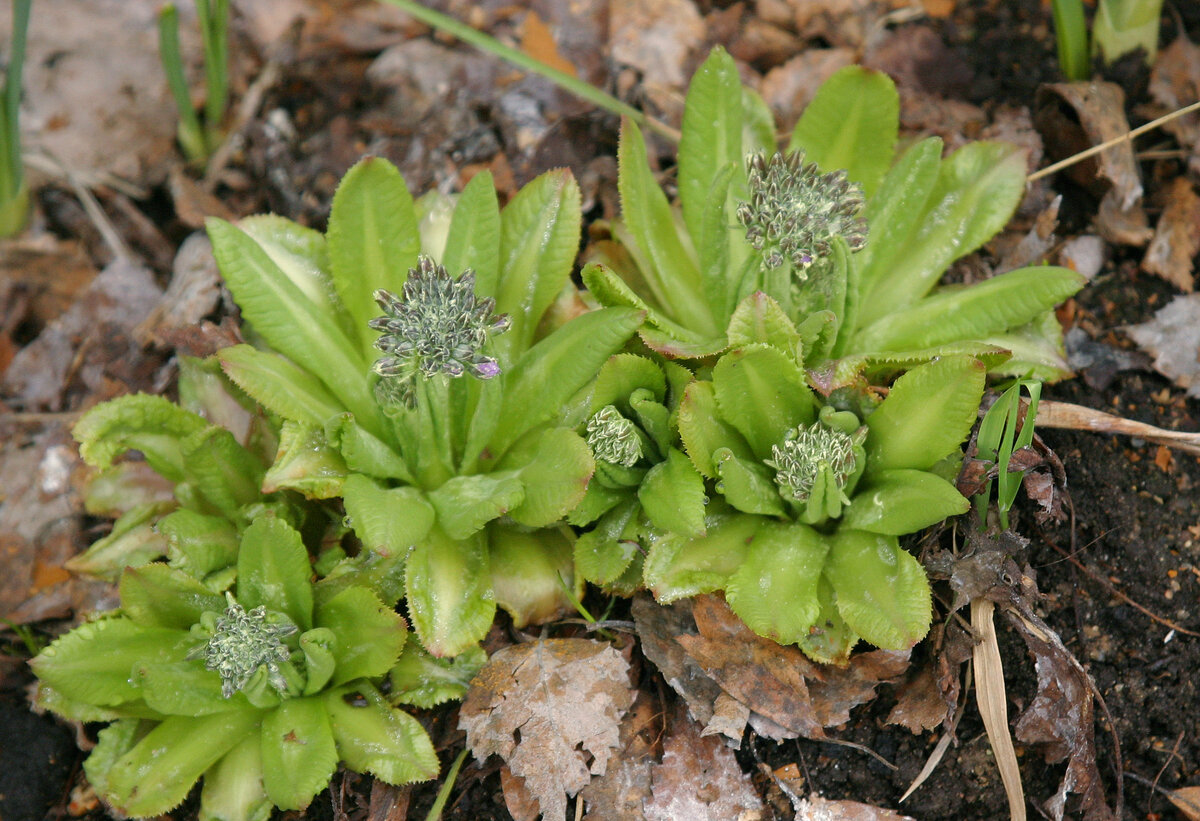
(807, 451)
(795, 211)
(613, 438)
(437, 326)
(243, 642)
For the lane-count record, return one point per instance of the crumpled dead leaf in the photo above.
(1187, 801)
(193, 293)
(1176, 236)
(658, 627)
(699, 779)
(657, 37)
(625, 786)
(1172, 337)
(1175, 83)
(548, 708)
(816, 808)
(1073, 117)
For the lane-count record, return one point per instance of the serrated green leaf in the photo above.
(539, 237)
(233, 788)
(761, 392)
(677, 567)
(273, 570)
(926, 416)
(718, 256)
(850, 369)
(704, 432)
(894, 213)
(373, 241)
(598, 500)
(301, 253)
(532, 574)
(672, 494)
(671, 273)
(364, 452)
(711, 133)
(112, 742)
(668, 335)
(94, 661)
(298, 752)
(279, 385)
(554, 469)
(831, 639)
(621, 375)
(882, 592)
(851, 124)
(291, 323)
(448, 583)
(373, 570)
(133, 541)
(895, 502)
(758, 320)
(774, 591)
(47, 698)
(116, 490)
(160, 596)
(1036, 350)
(377, 739)
(475, 234)
(224, 472)
(370, 635)
(747, 484)
(150, 424)
(198, 544)
(185, 688)
(977, 311)
(423, 681)
(387, 520)
(306, 463)
(758, 125)
(159, 771)
(464, 504)
(205, 390)
(978, 188)
(603, 553)
(556, 368)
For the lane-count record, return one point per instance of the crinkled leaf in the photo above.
(882, 592)
(150, 424)
(621, 375)
(370, 635)
(387, 520)
(301, 253)
(233, 788)
(423, 681)
(665, 335)
(677, 567)
(831, 639)
(926, 416)
(273, 570)
(775, 589)
(160, 596)
(224, 472)
(533, 579)
(198, 544)
(598, 500)
(377, 739)
(1036, 350)
(758, 320)
(464, 504)
(475, 234)
(377, 571)
(704, 432)
(554, 469)
(306, 463)
(747, 484)
(93, 662)
(160, 769)
(373, 240)
(603, 553)
(279, 385)
(318, 646)
(711, 134)
(133, 541)
(762, 393)
(895, 502)
(851, 124)
(298, 752)
(539, 237)
(363, 452)
(448, 583)
(672, 494)
(185, 688)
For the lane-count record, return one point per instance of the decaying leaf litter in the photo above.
(358, 78)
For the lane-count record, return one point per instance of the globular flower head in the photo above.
(806, 451)
(244, 641)
(613, 438)
(437, 326)
(795, 211)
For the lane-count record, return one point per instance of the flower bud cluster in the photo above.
(245, 641)
(437, 326)
(613, 438)
(805, 452)
(795, 211)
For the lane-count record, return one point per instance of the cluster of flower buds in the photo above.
(795, 211)
(806, 451)
(242, 643)
(613, 438)
(437, 326)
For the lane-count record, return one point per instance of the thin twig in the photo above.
(1096, 149)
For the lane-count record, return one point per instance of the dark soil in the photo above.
(1136, 526)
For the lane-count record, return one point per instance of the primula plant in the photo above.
(261, 690)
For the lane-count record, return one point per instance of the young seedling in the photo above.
(14, 193)
(1120, 27)
(1002, 432)
(198, 139)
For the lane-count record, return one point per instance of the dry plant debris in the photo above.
(1176, 236)
(1172, 337)
(548, 708)
(1174, 83)
(815, 808)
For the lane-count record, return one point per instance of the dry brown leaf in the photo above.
(538, 42)
(919, 704)
(388, 803)
(1172, 337)
(816, 808)
(1187, 801)
(993, 704)
(840, 22)
(44, 270)
(1176, 237)
(788, 88)
(547, 708)
(699, 779)
(625, 786)
(657, 627)
(657, 37)
(1076, 116)
(938, 8)
(521, 804)
(729, 718)
(1175, 83)
(193, 293)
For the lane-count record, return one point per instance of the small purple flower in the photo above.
(436, 326)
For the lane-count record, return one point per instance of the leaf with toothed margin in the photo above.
(448, 584)
(775, 589)
(882, 591)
